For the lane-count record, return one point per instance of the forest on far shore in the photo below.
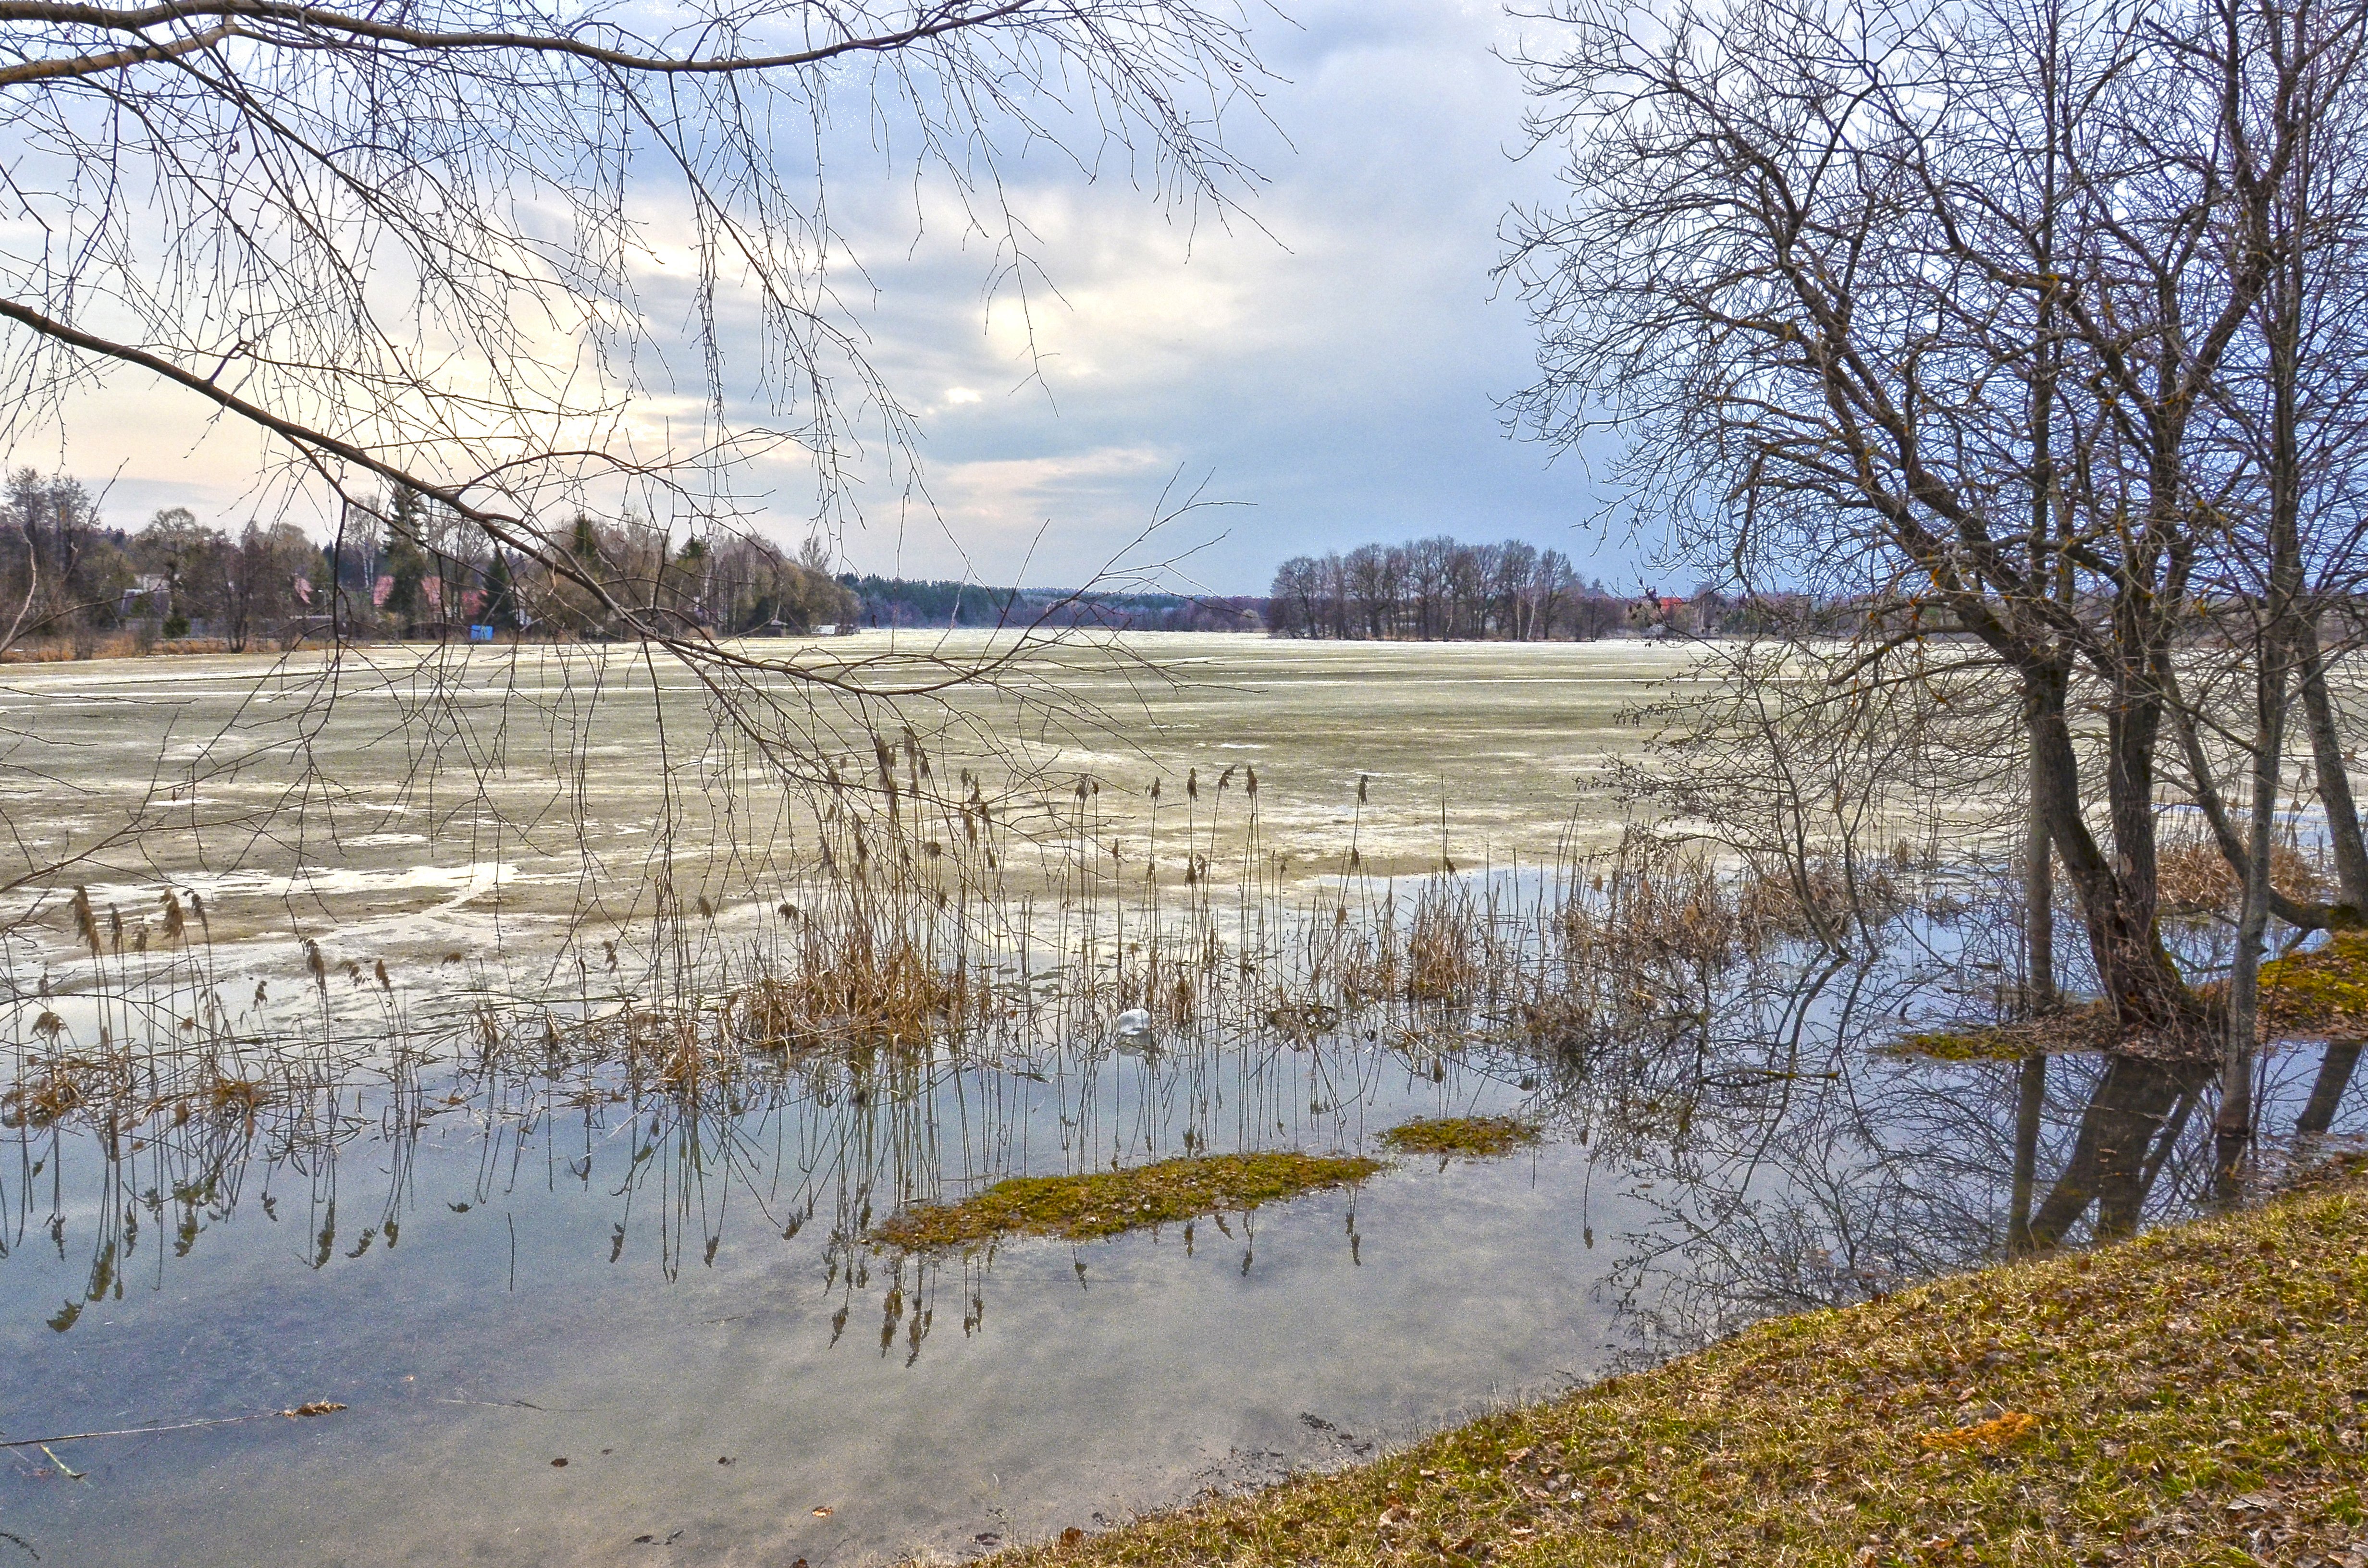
(1440, 588)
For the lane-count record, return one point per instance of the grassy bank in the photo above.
(2198, 1395)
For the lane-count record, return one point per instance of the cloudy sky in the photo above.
(1329, 363)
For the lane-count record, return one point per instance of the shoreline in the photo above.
(2196, 1395)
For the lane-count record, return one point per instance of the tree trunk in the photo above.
(2326, 1092)
(2232, 1126)
(2031, 1104)
(2343, 834)
(2132, 1102)
(2147, 996)
(2038, 907)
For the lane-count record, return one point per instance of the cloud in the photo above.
(1012, 519)
(1332, 357)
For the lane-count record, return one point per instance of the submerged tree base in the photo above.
(1474, 1137)
(2197, 1395)
(1103, 1203)
(2318, 994)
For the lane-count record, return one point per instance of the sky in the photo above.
(1323, 367)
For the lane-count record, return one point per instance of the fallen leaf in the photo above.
(1995, 1433)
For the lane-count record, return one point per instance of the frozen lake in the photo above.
(394, 1125)
(410, 802)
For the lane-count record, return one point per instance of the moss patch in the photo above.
(1475, 1137)
(2318, 994)
(1998, 1044)
(1103, 1203)
(2089, 1026)
(2198, 1395)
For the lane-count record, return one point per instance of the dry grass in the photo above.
(857, 982)
(2192, 878)
(1445, 951)
(2195, 1396)
(1816, 899)
(1104, 1203)
(108, 645)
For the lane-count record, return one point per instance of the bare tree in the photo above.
(1810, 260)
(410, 246)
(2291, 408)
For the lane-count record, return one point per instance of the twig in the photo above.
(314, 1407)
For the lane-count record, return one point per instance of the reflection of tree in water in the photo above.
(1735, 1085)
(1794, 1161)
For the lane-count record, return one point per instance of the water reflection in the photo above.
(347, 1151)
(501, 1248)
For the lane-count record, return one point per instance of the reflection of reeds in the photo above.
(2193, 876)
(928, 920)
(933, 935)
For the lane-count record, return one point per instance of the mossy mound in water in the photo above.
(1476, 1137)
(2087, 1028)
(2319, 994)
(1103, 1203)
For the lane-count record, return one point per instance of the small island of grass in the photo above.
(2088, 1027)
(1472, 1136)
(1103, 1203)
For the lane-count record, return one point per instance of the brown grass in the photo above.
(2196, 1396)
(108, 645)
(2192, 878)
(857, 982)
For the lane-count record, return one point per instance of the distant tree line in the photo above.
(1441, 587)
(401, 567)
(66, 577)
(411, 568)
(898, 601)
